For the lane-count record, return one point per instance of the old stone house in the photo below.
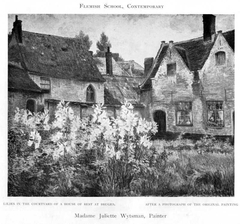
(44, 69)
(189, 86)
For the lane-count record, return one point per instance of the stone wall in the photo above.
(19, 99)
(216, 84)
(71, 90)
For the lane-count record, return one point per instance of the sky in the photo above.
(134, 37)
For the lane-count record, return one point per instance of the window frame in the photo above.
(178, 110)
(44, 84)
(223, 120)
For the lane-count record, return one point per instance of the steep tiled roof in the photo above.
(122, 89)
(18, 79)
(56, 57)
(230, 36)
(197, 52)
(194, 53)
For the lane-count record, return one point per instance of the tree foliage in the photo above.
(103, 43)
(84, 39)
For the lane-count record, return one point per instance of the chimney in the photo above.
(170, 43)
(208, 27)
(148, 62)
(17, 29)
(108, 55)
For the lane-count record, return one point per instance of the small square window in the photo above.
(184, 113)
(171, 69)
(45, 83)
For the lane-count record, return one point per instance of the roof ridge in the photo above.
(198, 38)
(53, 35)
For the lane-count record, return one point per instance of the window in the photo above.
(171, 69)
(45, 83)
(90, 94)
(215, 114)
(220, 58)
(184, 113)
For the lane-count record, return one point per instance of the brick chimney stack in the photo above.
(209, 29)
(109, 69)
(17, 29)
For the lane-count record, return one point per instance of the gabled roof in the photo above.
(55, 56)
(152, 72)
(194, 53)
(18, 79)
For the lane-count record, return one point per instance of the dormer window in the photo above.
(90, 94)
(45, 83)
(171, 69)
(220, 58)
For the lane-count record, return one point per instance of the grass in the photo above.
(195, 169)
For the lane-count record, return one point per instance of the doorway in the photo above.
(159, 117)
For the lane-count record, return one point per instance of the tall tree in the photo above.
(103, 43)
(84, 38)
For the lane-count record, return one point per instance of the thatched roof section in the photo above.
(194, 53)
(56, 57)
(18, 79)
